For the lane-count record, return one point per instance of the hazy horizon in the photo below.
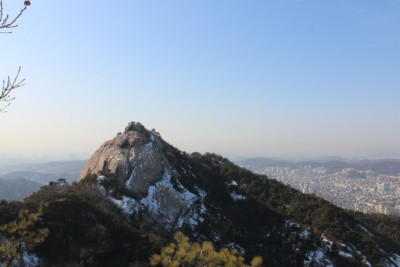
(20, 158)
(285, 79)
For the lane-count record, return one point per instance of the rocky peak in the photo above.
(136, 127)
(143, 162)
(133, 157)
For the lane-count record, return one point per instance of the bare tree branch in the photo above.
(5, 22)
(8, 86)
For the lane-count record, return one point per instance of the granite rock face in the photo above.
(141, 159)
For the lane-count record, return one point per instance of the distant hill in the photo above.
(17, 189)
(18, 181)
(72, 166)
(384, 166)
(39, 177)
(389, 166)
(44, 172)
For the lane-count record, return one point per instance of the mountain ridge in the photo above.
(35, 175)
(17, 189)
(223, 197)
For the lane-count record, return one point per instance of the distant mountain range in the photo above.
(383, 166)
(18, 181)
(55, 167)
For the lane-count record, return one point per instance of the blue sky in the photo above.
(239, 78)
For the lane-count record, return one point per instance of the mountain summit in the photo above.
(145, 165)
(136, 153)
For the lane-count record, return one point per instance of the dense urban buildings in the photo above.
(350, 188)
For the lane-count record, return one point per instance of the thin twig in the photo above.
(4, 24)
(1, 10)
(9, 86)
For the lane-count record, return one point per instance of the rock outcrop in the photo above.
(141, 159)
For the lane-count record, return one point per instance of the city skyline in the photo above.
(286, 79)
(367, 189)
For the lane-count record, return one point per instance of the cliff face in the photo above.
(141, 160)
(133, 156)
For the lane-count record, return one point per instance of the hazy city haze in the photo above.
(239, 78)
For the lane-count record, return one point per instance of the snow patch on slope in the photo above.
(345, 254)
(365, 230)
(232, 185)
(166, 204)
(239, 248)
(326, 242)
(305, 234)
(317, 258)
(128, 183)
(125, 204)
(393, 261)
(235, 196)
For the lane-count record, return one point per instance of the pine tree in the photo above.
(182, 253)
(21, 235)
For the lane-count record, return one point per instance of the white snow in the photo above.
(345, 254)
(365, 261)
(188, 197)
(325, 242)
(27, 260)
(215, 237)
(128, 183)
(191, 220)
(154, 198)
(317, 258)
(116, 201)
(126, 204)
(365, 230)
(164, 201)
(319, 255)
(290, 224)
(201, 192)
(305, 234)
(100, 186)
(370, 265)
(150, 201)
(148, 147)
(30, 260)
(394, 261)
(234, 183)
(239, 248)
(235, 196)
(132, 152)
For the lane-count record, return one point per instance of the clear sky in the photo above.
(239, 78)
